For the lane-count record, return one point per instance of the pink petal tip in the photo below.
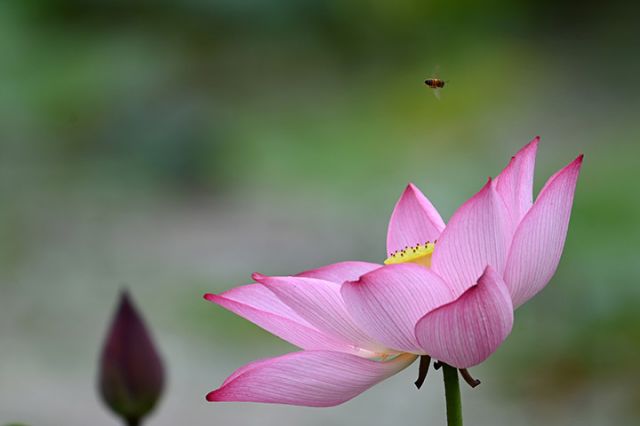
(257, 276)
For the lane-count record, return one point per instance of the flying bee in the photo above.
(436, 84)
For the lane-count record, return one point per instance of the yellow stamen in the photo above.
(420, 254)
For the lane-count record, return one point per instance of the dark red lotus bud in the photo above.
(131, 375)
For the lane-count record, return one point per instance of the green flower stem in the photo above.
(452, 395)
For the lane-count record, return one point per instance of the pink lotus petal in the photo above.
(387, 302)
(465, 332)
(320, 303)
(259, 297)
(414, 221)
(259, 305)
(341, 271)
(539, 240)
(477, 235)
(247, 367)
(515, 182)
(308, 378)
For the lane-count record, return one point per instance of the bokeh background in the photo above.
(174, 147)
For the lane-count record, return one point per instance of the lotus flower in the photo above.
(131, 375)
(447, 292)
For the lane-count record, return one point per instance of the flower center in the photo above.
(420, 254)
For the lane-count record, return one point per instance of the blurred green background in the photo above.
(177, 146)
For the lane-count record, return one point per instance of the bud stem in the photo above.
(452, 395)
